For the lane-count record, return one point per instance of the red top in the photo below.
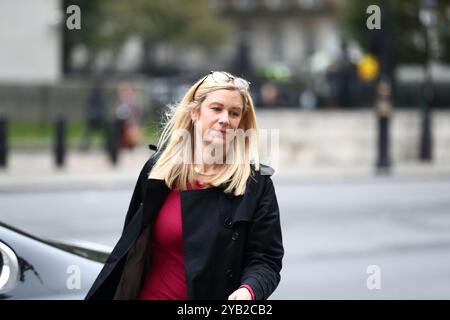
(166, 279)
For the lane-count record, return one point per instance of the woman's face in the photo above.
(221, 110)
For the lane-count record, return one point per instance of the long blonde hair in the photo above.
(234, 175)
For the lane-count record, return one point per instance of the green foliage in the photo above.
(108, 23)
(408, 34)
(90, 11)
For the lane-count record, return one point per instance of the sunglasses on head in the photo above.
(223, 77)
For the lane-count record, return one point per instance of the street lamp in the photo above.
(383, 104)
(428, 18)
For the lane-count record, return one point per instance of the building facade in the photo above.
(30, 35)
(289, 33)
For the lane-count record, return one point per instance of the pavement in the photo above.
(35, 169)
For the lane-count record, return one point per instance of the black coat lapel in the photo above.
(155, 194)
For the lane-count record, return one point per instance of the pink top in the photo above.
(166, 279)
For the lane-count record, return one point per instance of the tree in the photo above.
(109, 23)
(408, 34)
(89, 21)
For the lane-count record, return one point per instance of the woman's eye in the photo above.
(235, 114)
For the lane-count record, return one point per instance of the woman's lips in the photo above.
(222, 132)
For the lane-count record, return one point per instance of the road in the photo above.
(333, 231)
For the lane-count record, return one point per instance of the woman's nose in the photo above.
(224, 118)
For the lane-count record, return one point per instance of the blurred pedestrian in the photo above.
(128, 113)
(269, 95)
(341, 78)
(308, 99)
(200, 229)
(95, 116)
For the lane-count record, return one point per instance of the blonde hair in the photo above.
(234, 175)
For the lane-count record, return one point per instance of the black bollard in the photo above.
(426, 139)
(60, 142)
(428, 16)
(3, 142)
(383, 162)
(113, 140)
(383, 110)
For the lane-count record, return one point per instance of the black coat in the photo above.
(228, 240)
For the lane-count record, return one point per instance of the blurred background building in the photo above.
(30, 34)
(300, 55)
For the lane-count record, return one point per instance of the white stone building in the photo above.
(30, 41)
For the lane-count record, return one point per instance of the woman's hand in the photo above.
(240, 294)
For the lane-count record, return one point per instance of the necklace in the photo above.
(197, 170)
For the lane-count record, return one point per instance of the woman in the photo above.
(203, 222)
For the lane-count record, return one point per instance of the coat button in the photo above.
(230, 273)
(235, 236)
(228, 221)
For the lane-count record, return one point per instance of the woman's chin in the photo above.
(216, 140)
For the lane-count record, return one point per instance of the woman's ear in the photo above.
(194, 115)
